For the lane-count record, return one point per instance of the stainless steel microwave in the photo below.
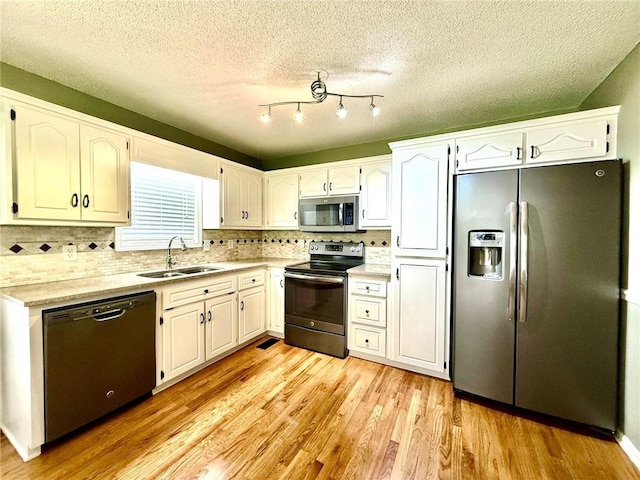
(329, 214)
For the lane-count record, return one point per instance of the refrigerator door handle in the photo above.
(513, 256)
(524, 241)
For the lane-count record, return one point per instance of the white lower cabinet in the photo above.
(367, 332)
(276, 301)
(182, 339)
(419, 320)
(221, 332)
(251, 306)
(198, 322)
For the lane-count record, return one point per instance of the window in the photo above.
(164, 203)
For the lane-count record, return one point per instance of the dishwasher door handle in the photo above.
(104, 317)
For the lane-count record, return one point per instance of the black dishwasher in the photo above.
(98, 356)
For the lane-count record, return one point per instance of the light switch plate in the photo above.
(230, 244)
(69, 253)
(206, 246)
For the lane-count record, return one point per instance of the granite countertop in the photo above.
(372, 270)
(70, 290)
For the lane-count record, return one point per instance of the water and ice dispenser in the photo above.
(485, 254)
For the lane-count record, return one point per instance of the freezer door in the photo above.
(567, 344)
(483, 320)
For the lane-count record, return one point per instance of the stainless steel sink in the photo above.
(178, 272)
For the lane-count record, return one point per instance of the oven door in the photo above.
(315, 301)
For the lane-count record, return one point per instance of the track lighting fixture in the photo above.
(320, 94)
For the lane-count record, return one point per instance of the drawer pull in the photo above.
(253, 280)
(367, 312)
(367, 287)
(366, 340)
(206, 290)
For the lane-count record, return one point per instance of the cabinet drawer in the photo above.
(370, 311)
(250, 279)
(375, 288)
(187, 292)
(368, 340)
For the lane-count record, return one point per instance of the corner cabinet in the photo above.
(375, 194)
(241, 196)
(65, 170)
(281, 201)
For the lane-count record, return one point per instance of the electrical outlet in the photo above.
(230, 244)
(69, 253)
(206, 246)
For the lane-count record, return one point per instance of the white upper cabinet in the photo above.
(104, 175)
(420, 173)
(490, 150)
(241, 196)
(569, 141)
(573, 137)
(281, 200)
(317, 182)
(66, 170)
(375, 197)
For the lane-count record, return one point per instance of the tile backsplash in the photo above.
(30, 254)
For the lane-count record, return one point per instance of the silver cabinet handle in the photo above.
(524, 251)
(513, 253)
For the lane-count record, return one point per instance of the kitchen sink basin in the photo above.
(178, 272)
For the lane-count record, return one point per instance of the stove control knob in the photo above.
(353, 249)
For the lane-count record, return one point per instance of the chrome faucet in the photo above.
(170, 261)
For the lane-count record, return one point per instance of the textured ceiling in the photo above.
(205, 66)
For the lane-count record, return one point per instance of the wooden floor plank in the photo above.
(287, 413)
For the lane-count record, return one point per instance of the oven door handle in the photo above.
(313, 278)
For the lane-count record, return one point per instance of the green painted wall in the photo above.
(622, 87)
(380, 147)
(25, 82)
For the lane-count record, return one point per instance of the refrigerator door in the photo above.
(483, 309)
(567, 344)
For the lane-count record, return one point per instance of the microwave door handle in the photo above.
(340, 207)
(312, 278)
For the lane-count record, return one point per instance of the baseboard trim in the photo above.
(629, 448)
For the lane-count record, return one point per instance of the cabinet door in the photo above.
(183, 339)
(232, 197)
(251, 316)
(568, 141)
(47, 160)
(375, 198)
(220, 332)
(419, 324)
(252, 204)
(276, 301)
(104, 169)
(489, 151)
(344, 180)
(282, 201)
(420, 201)
(313, 183)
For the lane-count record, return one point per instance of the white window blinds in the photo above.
(164, 203)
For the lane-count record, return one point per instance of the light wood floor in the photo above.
(286, 413)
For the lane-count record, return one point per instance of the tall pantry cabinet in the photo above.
(419, 333)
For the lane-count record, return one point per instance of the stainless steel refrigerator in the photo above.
(536, 289)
